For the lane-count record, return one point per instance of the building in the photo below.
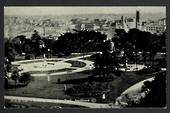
(96, 27)
(129, 23)
(108, 30)
(162, 22)
(137, 19)
(88, 26)
(119, 24)
(155, 27)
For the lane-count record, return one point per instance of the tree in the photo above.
(15, 76)
(9, 51)
(35, 43)
(6, 78)
(6, 82)
(80, 41)
(89, 89)
(18, 43)
(139, 41)
(156, 92)
(25, 78)
(107, 62)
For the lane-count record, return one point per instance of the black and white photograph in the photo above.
(58, 57)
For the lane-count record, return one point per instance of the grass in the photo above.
(88, 58)
(41, 88)
(126, 80)
(76, 63)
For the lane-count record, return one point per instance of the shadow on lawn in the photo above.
(89, 79)
(15, 86)
(75, 81)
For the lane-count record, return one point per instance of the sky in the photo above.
(65, 10)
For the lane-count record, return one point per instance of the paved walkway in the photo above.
(132, 92)
(57, 101)
(61, 64)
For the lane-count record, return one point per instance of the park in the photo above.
(92, 71)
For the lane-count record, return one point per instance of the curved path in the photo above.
(37, 65)
(57, 101)
(60, 64)
(132, 92)
(137, 87)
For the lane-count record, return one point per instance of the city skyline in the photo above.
(65, 10)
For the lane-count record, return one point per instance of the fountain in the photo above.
(44, 61)
(48, 67)
(44, 65)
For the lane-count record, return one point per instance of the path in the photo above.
(60, 65)
(57, 101)
(132, 92)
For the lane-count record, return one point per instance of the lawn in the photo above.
(40, 87)
(76, 63)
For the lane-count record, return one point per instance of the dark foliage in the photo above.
(80, 41)
(25, 78)
(149, 70)
(88, 89)
(15, 76)
(157, 92)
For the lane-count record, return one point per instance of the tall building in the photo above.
(137, 19)
(122, 20)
